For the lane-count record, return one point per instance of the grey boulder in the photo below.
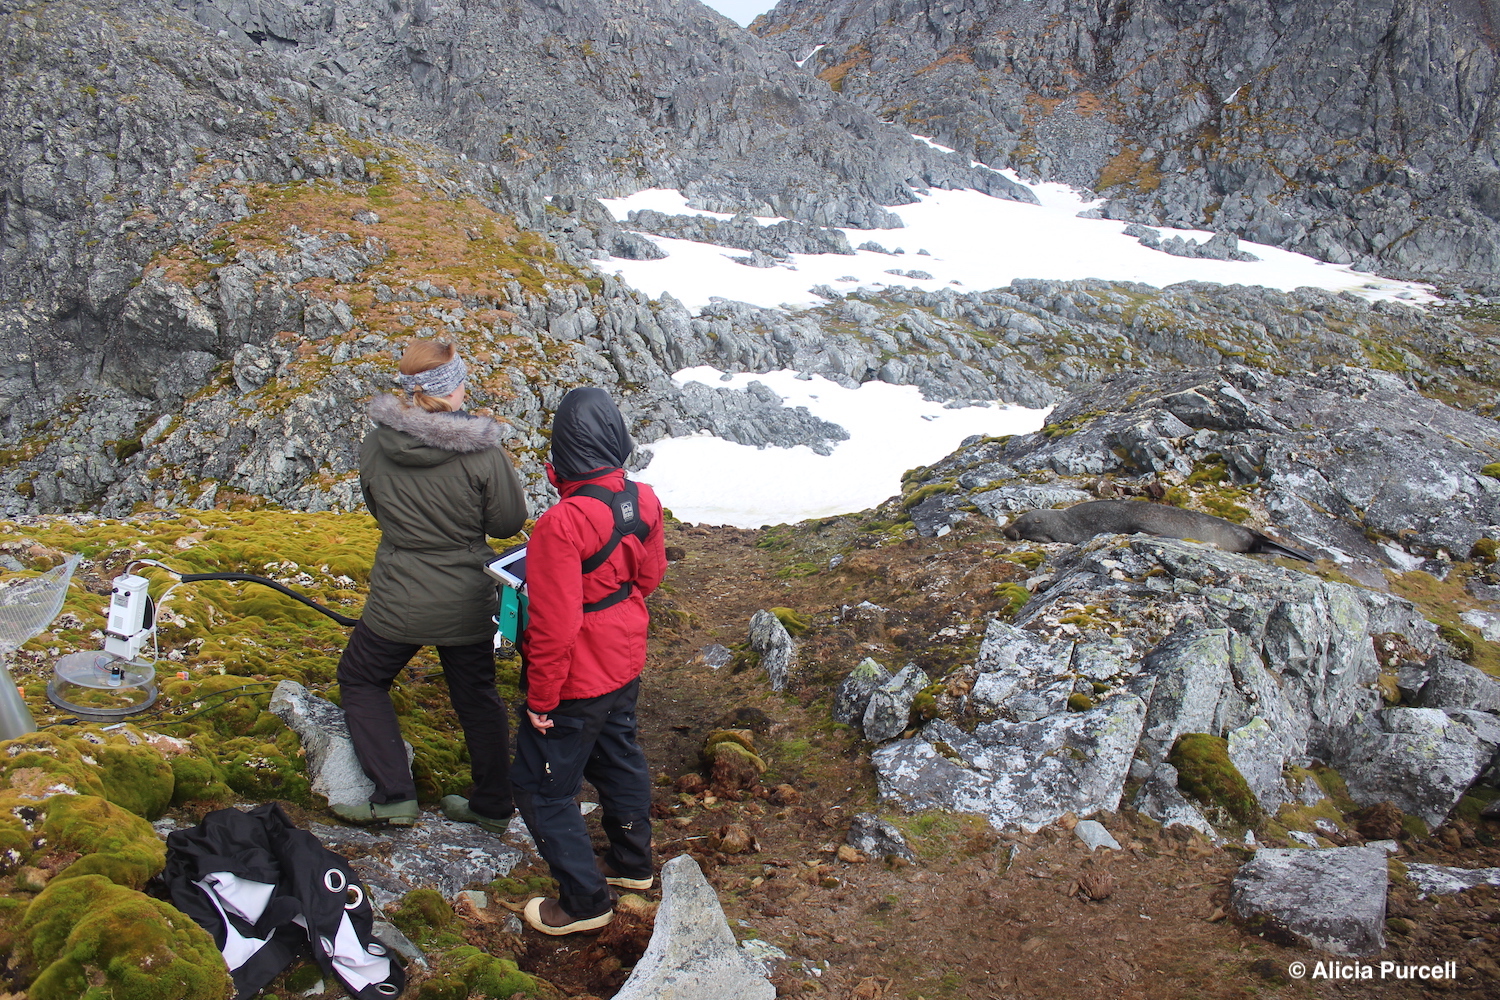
(1453, 684)
(319, 724)
(1333, 899)
(889, 706)
(692, 953)
(778, 653)
(1024, 774)
(853, 695)
(878, 838)
(1418, 758)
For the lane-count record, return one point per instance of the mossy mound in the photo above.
(120, 767)
(794, 623)
(1205, 772)
(1012, 598)
(91, 939)
(732, 767)
(486, 975)
(425, 917)
(113, 842)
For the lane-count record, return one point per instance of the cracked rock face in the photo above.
(1418, 758)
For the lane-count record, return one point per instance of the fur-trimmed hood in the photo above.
(410, 435)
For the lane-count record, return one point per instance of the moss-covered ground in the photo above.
(76, 797)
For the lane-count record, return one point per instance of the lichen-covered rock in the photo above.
(1333, 899)
(778, 653)
(853, 694)
(878, 838)
(1452, 684)
(1022, 675)
(335, 771)
(692, 954)
(1256, 752)
(1161, 799)
(889, 707)
(1024, 774)
(83, 934)
(1418, 758)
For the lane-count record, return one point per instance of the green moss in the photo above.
(1474, 802)
(1460, 638)
(1486, 551)
(486, 975)
(794, 623)
(1492, 470)
(924, 707)
(92, 939)
(113, 842)
(1014, 597)
(1078, 702)
(425, 916)
(136, 777)
(303, 978)
(924, 492)
(197, 779)
(1205, 772)
(1029, 558)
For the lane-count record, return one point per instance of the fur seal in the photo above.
(1123, 517)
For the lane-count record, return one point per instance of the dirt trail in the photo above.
(980, 915)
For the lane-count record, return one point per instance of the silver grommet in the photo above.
(387, 989)
(375, 948)
(359, 897)
(332, 875)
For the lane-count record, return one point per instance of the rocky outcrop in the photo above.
(1274, 659)
(1351, 463)
(1358, 133)
(1418, 758)
(1024, 774)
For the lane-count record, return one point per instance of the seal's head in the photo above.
(1032, 526)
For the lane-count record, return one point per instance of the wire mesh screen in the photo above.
(28, 605)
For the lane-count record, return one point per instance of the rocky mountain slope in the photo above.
(1356, 132)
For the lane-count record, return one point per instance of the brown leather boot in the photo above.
(548, 916)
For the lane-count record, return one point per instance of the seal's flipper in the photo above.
(1271, 547)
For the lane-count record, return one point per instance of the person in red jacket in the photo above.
(592, 559)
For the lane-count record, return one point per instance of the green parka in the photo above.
(437, 483)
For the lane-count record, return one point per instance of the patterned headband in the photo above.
(439, 381)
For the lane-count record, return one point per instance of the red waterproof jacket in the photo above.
(570, 653)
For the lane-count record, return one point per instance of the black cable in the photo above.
(343, 620)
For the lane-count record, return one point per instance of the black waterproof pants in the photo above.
(366, 671)
(593, 738)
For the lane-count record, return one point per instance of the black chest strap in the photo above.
(626, 507)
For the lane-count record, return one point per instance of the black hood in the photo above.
(588, 435)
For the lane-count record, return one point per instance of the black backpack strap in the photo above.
(625, 505)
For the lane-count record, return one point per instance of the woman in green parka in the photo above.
(438, 482)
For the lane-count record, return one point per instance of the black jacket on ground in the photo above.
(248, 877)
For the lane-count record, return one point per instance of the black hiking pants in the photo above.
(593, 738)
(366, 671)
